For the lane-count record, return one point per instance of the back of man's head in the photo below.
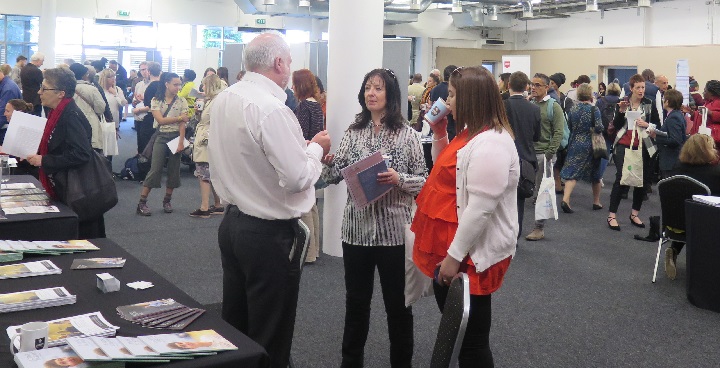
(518, 82)
(38, 56)
(649, 75)
(417, 78)
(20, 58)
(447, 71)
(154, 68)
(583, 79)
(261, 52)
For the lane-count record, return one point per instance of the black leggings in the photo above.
(638, 192)
(475, 351)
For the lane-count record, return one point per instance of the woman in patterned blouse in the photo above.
(373, 236)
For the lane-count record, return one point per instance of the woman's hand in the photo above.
(184, 117)
(440, 128)
(327, 159)
(685, 109)
(389, 177)
(642, 123)
(448, 270)
(623, 105)
(35, 160)
(181, 146)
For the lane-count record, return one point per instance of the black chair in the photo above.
(452, 325)
(673, 192)
(301, 243)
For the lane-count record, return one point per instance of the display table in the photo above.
(61, 225)
(90, 299)
(703, 255)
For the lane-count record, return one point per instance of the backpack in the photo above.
(566, 129)
(136, 168)
(608, 115)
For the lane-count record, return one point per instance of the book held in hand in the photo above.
(361, 179)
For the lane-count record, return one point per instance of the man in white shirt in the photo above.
(266, 171)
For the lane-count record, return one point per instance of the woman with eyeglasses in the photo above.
(670, 137)
(170, 114)
(65, 142)
(374, 236)
(467, 217)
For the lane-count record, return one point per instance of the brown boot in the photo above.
(536, 234)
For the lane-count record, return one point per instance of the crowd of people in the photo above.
(260, 149)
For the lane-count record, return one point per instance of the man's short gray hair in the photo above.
(37, 56)
(260, 53)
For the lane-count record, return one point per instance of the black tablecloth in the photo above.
(90, 299)
(61, 225)
(703, 255)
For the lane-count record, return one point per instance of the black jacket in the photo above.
(524, 118)
(706, 174)
(69, 144)
(31, 78)
(669, 146)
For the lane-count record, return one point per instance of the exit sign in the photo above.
(123, 13)
(259, 21)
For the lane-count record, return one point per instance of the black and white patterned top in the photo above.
(382, 222)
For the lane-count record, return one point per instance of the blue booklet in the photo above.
(361, 179)
(370, 186)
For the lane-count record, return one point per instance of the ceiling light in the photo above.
(492, 12)
(643, 3)
(268, 2)
(414, 5)
(456, 7)
(304, 3)
(527, 11)
(591, 6)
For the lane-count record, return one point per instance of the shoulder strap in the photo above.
(550, 108)
(170, 106)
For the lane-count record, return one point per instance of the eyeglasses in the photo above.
(43, 88)
(538, 85)
(142, 70)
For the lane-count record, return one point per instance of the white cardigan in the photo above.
(488, 170)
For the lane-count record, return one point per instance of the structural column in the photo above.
(46, 39)
(355, 47)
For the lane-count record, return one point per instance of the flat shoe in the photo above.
(565, 207)
(632, 221)
(597, 207)
(613, 227)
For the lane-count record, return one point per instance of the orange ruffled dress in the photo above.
(436, 222)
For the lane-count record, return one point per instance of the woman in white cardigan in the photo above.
(466, 219)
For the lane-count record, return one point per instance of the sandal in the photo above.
(632, 221)
(613, 227)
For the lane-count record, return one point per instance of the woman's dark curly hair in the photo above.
(393, 118)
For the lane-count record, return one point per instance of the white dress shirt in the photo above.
(259, 159)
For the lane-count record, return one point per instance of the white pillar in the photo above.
(46, 38)
(317, 26)
(355, 48)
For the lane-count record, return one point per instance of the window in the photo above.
(18, 36)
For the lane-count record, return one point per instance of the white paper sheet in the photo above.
(173, 144)
(24, 134)
(631, 116)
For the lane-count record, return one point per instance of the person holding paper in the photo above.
(467, 216)
(8, 91)
(65, 143)
(374, 236)
(638, 103)
(671, 136)
(171, 114)
(712, 104)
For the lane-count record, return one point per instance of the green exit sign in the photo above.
(123, 13)
(259, 21)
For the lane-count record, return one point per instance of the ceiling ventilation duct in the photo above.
(473, 18)
(527, 9)
(591, 5)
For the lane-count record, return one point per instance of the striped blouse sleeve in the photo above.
(413, 180)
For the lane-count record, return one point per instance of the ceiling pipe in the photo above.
(396, 8)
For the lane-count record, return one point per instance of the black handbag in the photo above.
(526, 183)
(88, 189)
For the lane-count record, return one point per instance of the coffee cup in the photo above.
(437, 111)
(33, 336)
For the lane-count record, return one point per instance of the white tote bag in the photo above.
(632, 170)
(109, 134)
(545, 205)
(704, 128)
(417, 285)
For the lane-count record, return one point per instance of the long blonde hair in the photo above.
(104, 75)
(212, 86)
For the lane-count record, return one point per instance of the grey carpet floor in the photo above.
(582, 297)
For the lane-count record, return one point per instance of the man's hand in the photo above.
(323, 139)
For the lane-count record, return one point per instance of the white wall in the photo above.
(672, 23)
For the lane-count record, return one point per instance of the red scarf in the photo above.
(43, 149)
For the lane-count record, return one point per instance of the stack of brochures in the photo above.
(90, 263)
(163, 313)
(28, 269)
(6, 256)
(47, 247)
(109, 352)
(84, 325)
(34, 299)
(709, 200)
(58, 357)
